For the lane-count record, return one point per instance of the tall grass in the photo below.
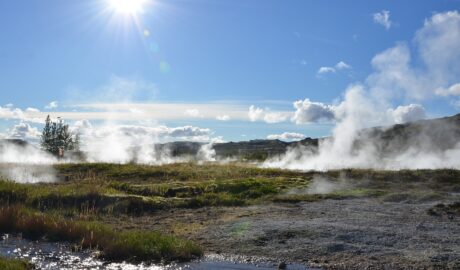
(14, 264)
(115, 245)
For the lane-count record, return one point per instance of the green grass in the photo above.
(166, 173)
(89, 189)
(115, 245)
(14, 264)
(136, 189)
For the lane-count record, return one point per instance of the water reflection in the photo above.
(56, 256)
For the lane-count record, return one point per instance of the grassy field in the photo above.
(72, 208)
(90, 189)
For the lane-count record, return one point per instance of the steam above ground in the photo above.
(427, 144)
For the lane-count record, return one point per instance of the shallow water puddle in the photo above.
(54, 256)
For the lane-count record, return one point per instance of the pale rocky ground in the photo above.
(355, 233)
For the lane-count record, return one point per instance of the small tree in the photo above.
(47, 135)
(57, 138)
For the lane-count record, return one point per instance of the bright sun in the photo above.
(128, 7)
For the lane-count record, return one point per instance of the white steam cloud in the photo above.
(369, 104)
(409, 113)
(130, 143)
(25, 163)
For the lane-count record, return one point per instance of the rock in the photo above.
(282, 265)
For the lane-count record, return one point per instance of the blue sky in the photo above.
(201, 60)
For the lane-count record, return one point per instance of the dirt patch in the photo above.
(334, 234)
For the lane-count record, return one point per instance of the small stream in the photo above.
(56, 256)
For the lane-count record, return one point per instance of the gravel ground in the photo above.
(359, 233)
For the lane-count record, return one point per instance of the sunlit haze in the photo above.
(127, 7)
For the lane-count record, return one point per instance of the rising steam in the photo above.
(370, 104)
(25, 163)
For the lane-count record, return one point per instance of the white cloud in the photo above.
(259, 114)
(155, 111)
(309, 112)
(255, 113)
(52, 105)
(338, 67)
(323, 70)
(453, 90)
(383, 18)
(29, 115)
(342, 65)
(223, 117)
(32, 110)
(11, 113)
(437, 44)
(409, 113)
(24, 131)
(286, 136)
(195, 113)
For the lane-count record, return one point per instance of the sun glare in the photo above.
(128, 7)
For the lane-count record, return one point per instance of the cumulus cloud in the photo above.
(255, 113)
(383, 18)
(309, 112)
(338, 67)
(286, 136)
(11, 113)
(52, 105)
(437, 44)
(24, 131)
(409, 113)
(29, 115)
(259, 114)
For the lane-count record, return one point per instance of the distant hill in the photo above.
(431, 135)
(251, 150)
(434, 135)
